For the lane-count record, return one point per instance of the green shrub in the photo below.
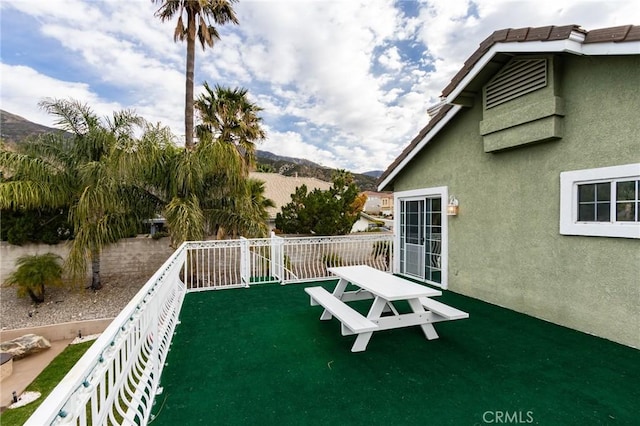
(34, 272)
(21, 231)
(23, 226)
(50, 237)
(159, 235)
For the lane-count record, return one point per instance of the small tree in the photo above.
(34, 272)
(331, 212)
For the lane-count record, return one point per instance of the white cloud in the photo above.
(290, 144)
(24, 87)
(335, 84)
(391, 59)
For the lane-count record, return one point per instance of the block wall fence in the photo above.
(141, 256)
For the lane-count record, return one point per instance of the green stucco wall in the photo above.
(505, 246)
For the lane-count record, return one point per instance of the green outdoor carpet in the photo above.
(262, 356)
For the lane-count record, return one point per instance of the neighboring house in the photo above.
(367, 222)
(379, 203)
(279, 188)
(538, 139)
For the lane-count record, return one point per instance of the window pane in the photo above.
(626, 212)
(603, 212)
(436, 206)
(436, 219)
(586, 193)
(603, 191)
(587, 213)
(626, 191)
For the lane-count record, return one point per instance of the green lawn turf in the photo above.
(45, 382)
(262, 356)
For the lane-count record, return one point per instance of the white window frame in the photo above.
(569, 182)
(414, 194)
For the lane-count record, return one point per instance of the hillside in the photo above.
(289, 166)
(15, 129)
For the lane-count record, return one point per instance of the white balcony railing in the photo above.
(242, 262)
(117, 379)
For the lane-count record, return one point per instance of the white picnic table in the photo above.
(384, 289)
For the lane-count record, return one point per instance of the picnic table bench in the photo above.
(384, 289)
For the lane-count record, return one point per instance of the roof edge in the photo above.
(620, 40)
(445, 114)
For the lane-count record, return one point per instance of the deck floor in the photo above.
(262, 356)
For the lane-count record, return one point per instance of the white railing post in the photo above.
(185, 273)
(245, 262)
(276, 265)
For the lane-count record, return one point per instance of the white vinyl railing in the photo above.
(242, 262)
(117, 379)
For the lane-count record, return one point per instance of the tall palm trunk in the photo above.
(191, 59)
(96, 283)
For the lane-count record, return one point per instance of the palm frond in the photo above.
(52, 148)
(24, 194)
(204, 36)
(18, 166)
(168, 8)
(227, 115)
(72, 116)
(179, 32)
(221, 11)
(185, 220)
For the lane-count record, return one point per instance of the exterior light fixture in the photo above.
(452, 207)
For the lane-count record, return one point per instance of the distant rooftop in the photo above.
(279, 188)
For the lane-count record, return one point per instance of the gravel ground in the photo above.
(66, 305)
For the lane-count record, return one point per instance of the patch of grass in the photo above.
(45, 382)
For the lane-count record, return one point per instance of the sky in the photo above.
(343, 83)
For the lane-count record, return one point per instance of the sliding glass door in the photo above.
(421, 238)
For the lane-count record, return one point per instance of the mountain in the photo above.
(374, 173)
(291, 166)
(15, 128)
(266, 155)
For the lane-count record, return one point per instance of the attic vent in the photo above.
(518, 77)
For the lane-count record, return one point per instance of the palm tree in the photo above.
(34, 272)
(199, 15)
(259, 203)
(94, 173)
(227, 115)
(204, 193)
(243, 214)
